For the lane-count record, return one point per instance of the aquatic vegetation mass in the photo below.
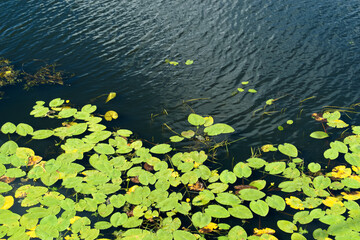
(102, 182)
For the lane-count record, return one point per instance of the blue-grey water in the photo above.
(289, 49)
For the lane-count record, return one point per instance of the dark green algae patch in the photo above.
(105, 181)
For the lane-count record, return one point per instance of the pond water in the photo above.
(291, 50)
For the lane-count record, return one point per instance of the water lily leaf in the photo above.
(227, 177)
(188, 134)
(195, 119)
(339, 146)
(203, 198)
(259, 184)
(189, 62)
(288, 149)
(200, 219)
(132, 222)
(259, 207)
(331, 154)
(237, 233)
(14, 173)
(286, 226)
(303, 217)
(251, 194)
(252, 91)
(124, 132)
(111, 96)
(227, 199)
(117, 200)
(40, 111)
(218, 128)
(56, 102)
(105, 210)
(101, 225)
(110, 115)
(218, 187)
(240, 89)
(297, 236)
(208, 121)
(173, 63)
(217, 211)
(161, 149)
(4, 187)
(103, 148)
(276, 202)
(118, 219)
(240, 211)
(89, 234)
(183, 235)
(67, 112)
(24, 129)
(275, 167)
(314, 167)
(289, 122)
(256, 162)
(242, 170)
(337, 124)
(176, 139)
(8, 128)
(321, 182)
(319, 135)
(42, 134)
(8, 202)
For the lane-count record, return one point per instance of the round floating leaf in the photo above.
(208, 121)
(339, 146)
(218, 128)
(289, 122)
(227, 177)
(103, 148)
(331, 154)
(188, 134)
(227, 199)
(288, 149)
(259, 184)
(276, 202)
(124, 132)
(4, 187)
(200, 219)
(237, 233)
(275, 167)
(218, 187)
(242, 170)
(111, 96)
(240, 211)
(183, 235)
(240, 89)
(252, 90)
(56, 102)
(321, 182)
(259, 207)
(251, 194)
(117, 219)
(176, 139)
(195, 119)
(110, 115)
(102, 225)
(67, 112)
(42, 134)
(256, 162)
(314, 167)
(245, 83)
(189, 62)
(8, 202)
(24, 129)
(105, 210)
(319, 135)
(161, 149)
(217, 211)
(8, 128)
(297, 236)
(286, 226)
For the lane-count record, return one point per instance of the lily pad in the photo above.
(319, 135)
(218, 128)
(196, 120)
(161, 149)
(286, 226)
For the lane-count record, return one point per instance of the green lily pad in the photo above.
(251, 194)
(319, 135)
(286, 226)
(218, 128)
(176, 139)
(314, 167)
(188, 134)
(288, 149)
(200, 219)
(56, 102)
(240, 211)
(227, 199)
(196, 120)
(189, 62)
(42, 134)
(8, 128)
(24, 129)
(276, 202)
(182, 235)
(237, 233)
(331, 154)
(242, 170)
(161, 149)
(275, 167)
(259, 207)
(227, 177)
(217, 211)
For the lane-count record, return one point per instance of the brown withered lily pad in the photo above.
(6, 179)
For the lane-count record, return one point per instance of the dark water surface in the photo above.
(295, 49)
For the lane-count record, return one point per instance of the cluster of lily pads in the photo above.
(104, 182)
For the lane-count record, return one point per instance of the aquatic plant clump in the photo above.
(106, 182)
